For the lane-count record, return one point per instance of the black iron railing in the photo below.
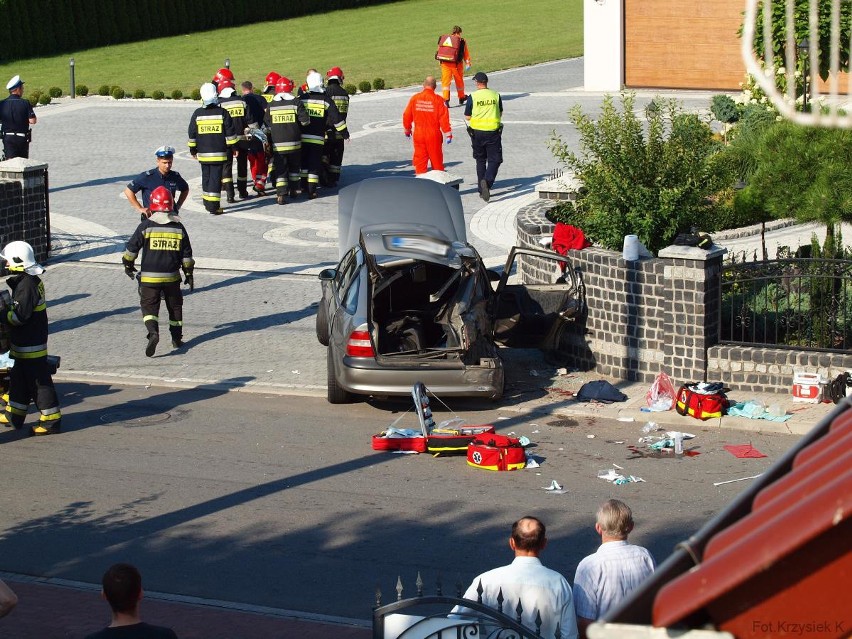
(802, 304)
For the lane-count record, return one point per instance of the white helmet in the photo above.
(314, 81)
(208, 93)
(19, 257)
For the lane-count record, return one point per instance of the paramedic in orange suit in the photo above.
(428, 114)
(453, 70)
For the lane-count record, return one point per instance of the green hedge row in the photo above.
(57, 26)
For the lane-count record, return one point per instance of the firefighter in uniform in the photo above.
(16, 116)
(223, 74)
(166, 251)
(243, 120)
(256, 145)
(483, 112)
(429, 116)
(211, 137)
(269, 88)
(454, 57)
(285, 117)
(324, 115)
(334, 141)
(161, 175)
(25, 313)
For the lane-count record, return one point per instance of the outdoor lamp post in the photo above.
(227, 63)
(73, 87)
(804, 48)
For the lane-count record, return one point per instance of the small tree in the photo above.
(652, 179)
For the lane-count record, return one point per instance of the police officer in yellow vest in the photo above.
(483, 110)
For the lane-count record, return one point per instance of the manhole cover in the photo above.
(563, 423)
(134, 417)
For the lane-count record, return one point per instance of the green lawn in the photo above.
(395, 42)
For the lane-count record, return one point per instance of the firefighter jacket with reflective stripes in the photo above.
(268, 94)
(211, 134)
(165, 250)
(26, 318)
(239, 111)
(285, 116)
(340, 97)
(324, 115)
(486, 108)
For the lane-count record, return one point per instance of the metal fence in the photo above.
(795, 303)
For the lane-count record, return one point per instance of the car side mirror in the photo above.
(328, 274)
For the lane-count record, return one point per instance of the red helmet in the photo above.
(284, 85)
(272, 78)
(161, 200)
(335, 73)
(223, 74)
(223, 84)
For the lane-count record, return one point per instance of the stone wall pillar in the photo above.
(24, 205)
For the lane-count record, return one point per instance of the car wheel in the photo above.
(335, 394)
(322, 323)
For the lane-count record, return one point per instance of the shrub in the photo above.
(651, 178)
(113, 88)
(177, 94)
(364, 86)
(196, 94)
(44, 98)
(724, 109)
(33, 97)
(351, 89)
(378, 84)
(55, 92)
(117, 93)
(158, 95)
(81, 90)
(139, 94)
(104, 89)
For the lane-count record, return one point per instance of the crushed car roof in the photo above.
(398, 200)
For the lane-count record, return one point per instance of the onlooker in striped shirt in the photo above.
(605, 578)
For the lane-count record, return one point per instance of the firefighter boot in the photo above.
(153, 337)
(48, 425)
(177, 336)
(229, 189)
(281, 197)
(242, 190)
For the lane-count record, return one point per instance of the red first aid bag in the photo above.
(496, 452)
(700, 406)
(449, 48)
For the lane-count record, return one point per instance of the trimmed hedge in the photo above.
(364, 86)
(82, 90)
(158, 95)
(75, 25)
(55, 92)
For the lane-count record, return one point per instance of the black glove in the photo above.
(5, 301)
(189, 280)
(130, 269)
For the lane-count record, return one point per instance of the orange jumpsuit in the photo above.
(454, 71)
(431, 120)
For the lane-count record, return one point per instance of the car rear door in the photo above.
(533, 315)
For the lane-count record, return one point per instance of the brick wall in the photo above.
(24, 205)
(661, 314)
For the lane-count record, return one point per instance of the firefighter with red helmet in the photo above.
(334, 140)
(211, 137)
(324, 115)
(223, 74)
(285, 116)
(164, 244)
(269, 88)
(243, 120)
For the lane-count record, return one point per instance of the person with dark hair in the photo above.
(454, 58)
(122, 590)
(539, 590)
(16, 118)
(606, 577)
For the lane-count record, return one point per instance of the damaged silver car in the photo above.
(411, 301)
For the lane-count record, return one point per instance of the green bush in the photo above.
(177, 94)
(55, 92)
(364, 86)
(158, 95)
(196, 94)
(33, 97)
(139, 94)
(113, 88)
(44, 98)
(81, 90)
(378, 84)
(117, 93)
(351, 89)
(104, 89)
(724, 109)
(651, 178)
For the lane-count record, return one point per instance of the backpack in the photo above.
(449, 48)
(701, 405)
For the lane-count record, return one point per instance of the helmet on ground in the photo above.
(223, 74)
(19, 257)
(284, 85)
(223, 84)
(272, 78)
(161, 200)
(335, 73)
(314, 81)
(208, 93)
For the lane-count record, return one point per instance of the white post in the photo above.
(603, 45)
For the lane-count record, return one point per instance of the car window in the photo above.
(350, 300)
(345, 271)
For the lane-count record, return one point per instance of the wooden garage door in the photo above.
(690, 44)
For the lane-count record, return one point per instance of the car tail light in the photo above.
(359, 345)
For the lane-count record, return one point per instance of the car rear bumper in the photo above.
(364, 376)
